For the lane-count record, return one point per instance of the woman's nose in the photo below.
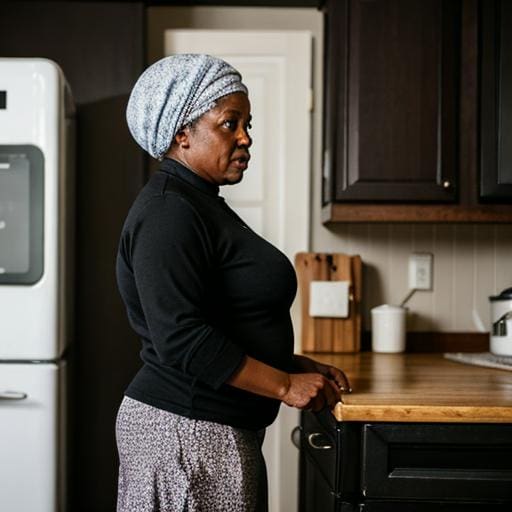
(243, 138)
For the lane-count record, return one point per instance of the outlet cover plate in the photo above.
(420, 271)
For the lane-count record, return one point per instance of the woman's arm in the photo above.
(301, 390)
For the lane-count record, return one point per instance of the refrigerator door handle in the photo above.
(12, 395)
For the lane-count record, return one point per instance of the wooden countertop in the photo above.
(422, 388)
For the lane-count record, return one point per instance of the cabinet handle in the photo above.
(446, 184)
(296, 437)
(311, 441)
(12, 395)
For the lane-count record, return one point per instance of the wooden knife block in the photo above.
(333, 335)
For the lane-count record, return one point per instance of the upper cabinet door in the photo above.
(391, 108)
(496, 101)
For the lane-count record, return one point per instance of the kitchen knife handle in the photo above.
(12, 395)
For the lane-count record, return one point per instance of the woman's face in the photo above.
(216, 147)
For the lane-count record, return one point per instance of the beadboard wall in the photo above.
(470, 263)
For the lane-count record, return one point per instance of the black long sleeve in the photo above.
(202, 290)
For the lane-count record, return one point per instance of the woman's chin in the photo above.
(234, 176)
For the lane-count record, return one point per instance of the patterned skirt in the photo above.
(169, 463)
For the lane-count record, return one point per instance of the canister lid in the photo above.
(388, 308)
(504, 295)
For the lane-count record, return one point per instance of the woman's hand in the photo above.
(311, 391)
(317, 386)
(307, 364)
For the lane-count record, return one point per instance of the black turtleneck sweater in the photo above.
(202, 290)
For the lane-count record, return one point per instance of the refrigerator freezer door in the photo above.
(30, 437)
(35, 203)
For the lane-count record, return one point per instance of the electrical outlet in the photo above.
(420, 271)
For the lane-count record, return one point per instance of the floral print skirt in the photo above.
(170, 463)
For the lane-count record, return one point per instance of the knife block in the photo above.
(334, 335)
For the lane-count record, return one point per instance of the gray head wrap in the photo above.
(174, 92)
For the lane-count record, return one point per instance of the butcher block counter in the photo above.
(418, 433)
(421, 387)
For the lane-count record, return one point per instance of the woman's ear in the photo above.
(182, 138)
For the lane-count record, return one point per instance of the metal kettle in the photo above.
(501, 318)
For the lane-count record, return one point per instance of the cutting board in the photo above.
(333, 335)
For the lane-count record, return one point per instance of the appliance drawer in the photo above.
(437, 461)
(30, 436)
(432, 506)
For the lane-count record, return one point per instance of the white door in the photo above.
(274, 195)
(29, 437)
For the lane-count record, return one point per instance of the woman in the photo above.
(210, 301)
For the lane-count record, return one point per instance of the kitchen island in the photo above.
(418, 433)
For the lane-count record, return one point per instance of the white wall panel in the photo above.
(503, 256)
(379, 285)
(463, 277)
(484, 282)
(401, 245)
(471, 262)
(422, 303)
(443, 289)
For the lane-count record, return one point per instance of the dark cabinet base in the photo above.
(405, 467)
(437, 461)
(432, 506)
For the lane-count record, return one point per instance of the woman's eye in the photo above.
(230, 124)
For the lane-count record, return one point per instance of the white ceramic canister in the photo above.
(501, 323)
(388, 328)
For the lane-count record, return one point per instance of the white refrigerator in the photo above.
(36, 293)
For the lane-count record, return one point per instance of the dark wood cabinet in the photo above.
(398, 97)
(315, 492)
(404, 467)
(496, 101)
(322, 476)
(436, 461)
(404, 139)
(430, 506)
